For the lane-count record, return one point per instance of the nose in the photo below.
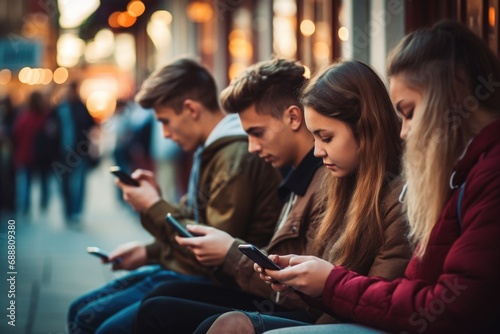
(253, 145)
(166, 132)
(319, 152)
(405, 128)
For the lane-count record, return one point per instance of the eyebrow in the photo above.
(252, 129)
(317, 132)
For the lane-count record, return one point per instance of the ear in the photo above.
(294, 117)
(193, 107)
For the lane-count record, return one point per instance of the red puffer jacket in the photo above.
(455, 288)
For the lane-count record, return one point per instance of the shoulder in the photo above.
(390, 203)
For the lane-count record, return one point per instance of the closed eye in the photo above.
(326, 140)
(408, 115)
(256, 134)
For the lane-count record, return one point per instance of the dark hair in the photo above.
(180, 80)
(271, 85)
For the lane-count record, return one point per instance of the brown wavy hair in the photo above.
(351, 230)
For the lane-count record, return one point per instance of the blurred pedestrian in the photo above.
(75, 143)
(24, 132)
(8, 114)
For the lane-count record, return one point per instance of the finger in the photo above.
(142, 174)
(285, 276)
(282, 260)
(276, 286)
(298, 259)
(257, 268)
(188, 242)
(199, 229)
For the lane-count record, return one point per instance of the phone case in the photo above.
(258, 257)
(124, 177)
(96, 251)
(178, 227)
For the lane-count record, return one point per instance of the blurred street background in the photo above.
(69, 70)
(52, 264)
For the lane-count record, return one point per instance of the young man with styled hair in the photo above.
(229, 189)
(266, 97)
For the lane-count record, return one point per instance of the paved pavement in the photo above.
(52, 266)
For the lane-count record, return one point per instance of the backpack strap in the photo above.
(459, 207)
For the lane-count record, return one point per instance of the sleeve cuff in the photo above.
(153, 251)
(233, 257)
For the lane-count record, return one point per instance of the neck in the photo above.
(209, 120)
(304, 144)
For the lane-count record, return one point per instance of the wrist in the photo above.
(150, 203)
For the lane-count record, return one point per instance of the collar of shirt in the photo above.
(298, 179)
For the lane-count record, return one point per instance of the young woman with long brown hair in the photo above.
(355, 129)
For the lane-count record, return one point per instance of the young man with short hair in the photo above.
(229, 189)
(266, 97)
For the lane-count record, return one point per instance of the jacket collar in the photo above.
(229, 125)
(298, 179)
(480, 144)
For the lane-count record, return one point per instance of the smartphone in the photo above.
(124, 177)
(96, 251)
(258, 257)
(178, 227)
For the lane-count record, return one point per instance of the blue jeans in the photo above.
(327, 329)
(112, 308)
(276, 325)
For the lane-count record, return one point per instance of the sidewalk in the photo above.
(52, 266)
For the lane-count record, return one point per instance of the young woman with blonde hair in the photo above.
(445, 84)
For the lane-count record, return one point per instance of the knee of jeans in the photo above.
(106, 328)
(147, 309)
(237, 322)
(75, 307)
(86, 317)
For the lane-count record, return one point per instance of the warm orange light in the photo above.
(61, 74)
(321, 50)
(125, 20)
(200, 12)
(307, 72)
(491, 16)
(5, 76)
(237, 34)
(343, 34)
(240, 48)
(136, 8)
(101, 104)
(307, 27)
(235, 69)
(25, 75)
(113, 20)
(47, 77)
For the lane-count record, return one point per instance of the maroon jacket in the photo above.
(455, 288)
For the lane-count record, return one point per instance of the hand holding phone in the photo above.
(124, 177)
(258, 257)
(96, 251)
(178, 227)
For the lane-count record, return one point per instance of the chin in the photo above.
(276, 164)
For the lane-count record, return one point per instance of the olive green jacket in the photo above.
(237, 193)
